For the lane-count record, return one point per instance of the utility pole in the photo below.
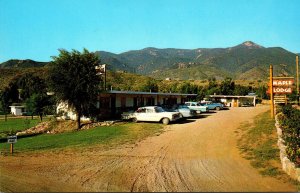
(271, 92)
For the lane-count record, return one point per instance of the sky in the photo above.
(37, 29)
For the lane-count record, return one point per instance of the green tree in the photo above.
(241, 90)
(227, 86)
(149, 85)
(72, 76)
(37, 104)
(5, 100)
(212, 87)
(201, 93)
(24, 86)
(261, 91)
(30, 84)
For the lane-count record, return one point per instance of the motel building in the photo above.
(114, 103)
(111, 104)
(234, 100)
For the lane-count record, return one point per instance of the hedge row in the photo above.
(289, 119)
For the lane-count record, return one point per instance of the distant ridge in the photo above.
(14, 63)
(245, 61)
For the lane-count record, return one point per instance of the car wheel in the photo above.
(134, 120)
(217, 108)
(166, 121)
(181, 116)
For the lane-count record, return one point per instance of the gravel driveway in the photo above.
(199, 155)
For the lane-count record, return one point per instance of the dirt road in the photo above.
(200, 155)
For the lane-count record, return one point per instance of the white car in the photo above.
(152, 114)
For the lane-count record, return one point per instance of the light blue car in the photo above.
(184, 110)
(213, 106)
(197, 107)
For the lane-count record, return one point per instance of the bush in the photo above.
(290, 123)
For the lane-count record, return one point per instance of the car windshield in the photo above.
(159, 109)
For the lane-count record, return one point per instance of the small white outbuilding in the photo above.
(17, 109)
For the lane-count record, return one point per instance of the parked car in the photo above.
(184, 110)
(152, 114)
(197, 107)
(213, 106)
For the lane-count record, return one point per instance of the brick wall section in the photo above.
(288, 166)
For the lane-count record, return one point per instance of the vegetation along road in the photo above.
(198, 155)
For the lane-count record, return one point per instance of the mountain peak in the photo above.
(250, 44)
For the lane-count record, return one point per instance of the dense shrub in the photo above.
(290, 124)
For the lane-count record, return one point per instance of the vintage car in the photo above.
(152, 114)
(197, 107)
(213, 106)
(184, 110)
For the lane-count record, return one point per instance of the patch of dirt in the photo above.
(199, 155)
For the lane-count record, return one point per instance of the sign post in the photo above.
(271, 92)
(12, 139)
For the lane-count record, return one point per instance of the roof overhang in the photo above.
(147, 93)
(232, 96)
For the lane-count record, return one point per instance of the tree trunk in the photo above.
(41, 117)
(78, 120)
(5, 116)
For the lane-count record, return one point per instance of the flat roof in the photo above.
(148, 93)
(232, 96)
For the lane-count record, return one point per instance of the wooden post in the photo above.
(297, 78)
(271, 92)
(285, 99)
(11, 148)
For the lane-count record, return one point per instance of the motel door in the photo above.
(113, 105)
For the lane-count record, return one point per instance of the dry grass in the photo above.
(258, 143)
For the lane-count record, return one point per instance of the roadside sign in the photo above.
(280, 90)
(280, 99)
(12, 139)
(282, 85)
(283, 82)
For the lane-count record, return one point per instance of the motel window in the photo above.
(104, 102)
(138, 101)
(150, 101)
(123, 102)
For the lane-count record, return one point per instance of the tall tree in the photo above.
(30, 84)
(37, 104)
(72, 76)
(227, 86)
(212, 87)
(5, 100)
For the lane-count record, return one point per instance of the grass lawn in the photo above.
(107, 136)
(13, 125)
(257, 142)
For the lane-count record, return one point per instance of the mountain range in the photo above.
(246, 61)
